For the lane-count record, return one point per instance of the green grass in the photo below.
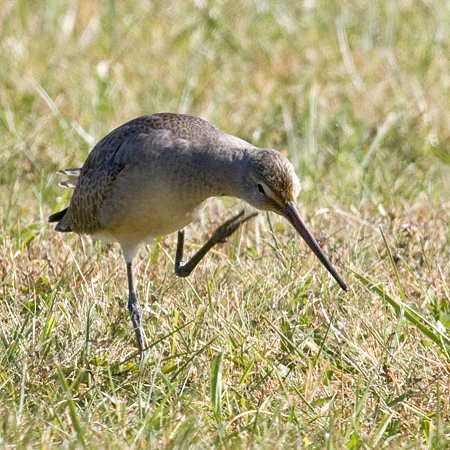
(258, 348)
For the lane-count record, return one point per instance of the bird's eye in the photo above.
(261, 189)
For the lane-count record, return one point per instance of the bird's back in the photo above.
(178, 126)
(121, 149)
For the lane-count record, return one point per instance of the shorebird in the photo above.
(151, 177)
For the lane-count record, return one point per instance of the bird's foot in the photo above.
(219, 236)
(225, 230)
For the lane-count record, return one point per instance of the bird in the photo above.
(152, 176)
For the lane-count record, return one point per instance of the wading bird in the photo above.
(151, 177)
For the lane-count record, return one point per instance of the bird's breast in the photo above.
(142, 208)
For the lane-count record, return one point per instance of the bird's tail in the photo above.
(73, 175)
(61, 216)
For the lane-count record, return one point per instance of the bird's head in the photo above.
(271, 181)
(272, 185)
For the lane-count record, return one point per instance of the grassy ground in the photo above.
(258, 348)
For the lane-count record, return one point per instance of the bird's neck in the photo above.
(218, 172)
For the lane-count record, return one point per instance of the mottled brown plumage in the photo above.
(152, 176)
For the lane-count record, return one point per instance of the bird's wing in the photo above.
(104, 164)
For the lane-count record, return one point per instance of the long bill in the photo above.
(293, 216)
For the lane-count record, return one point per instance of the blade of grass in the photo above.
(72, 407)
(427, 328)
(216, 389)
(393, 265)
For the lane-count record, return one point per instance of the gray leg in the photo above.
(135, 311)
(220, 235)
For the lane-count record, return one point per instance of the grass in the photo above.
(258, 348)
